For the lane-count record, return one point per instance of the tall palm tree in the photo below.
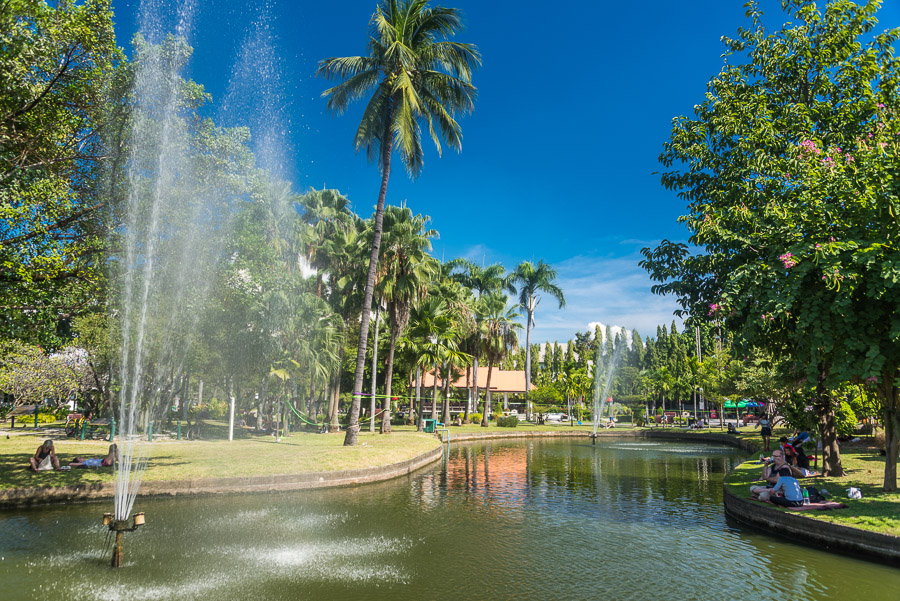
(480, 280)
(529, 280)
(415, 76)
(407, 268)
(432, 334)
(497, 325)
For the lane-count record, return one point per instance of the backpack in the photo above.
(814, 495)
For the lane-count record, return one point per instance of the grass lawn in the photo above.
(213, 457)
(864, 467)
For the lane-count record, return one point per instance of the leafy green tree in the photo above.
(787, 169)
(414, 76)
(58, 69)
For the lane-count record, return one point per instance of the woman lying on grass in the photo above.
(97, 461)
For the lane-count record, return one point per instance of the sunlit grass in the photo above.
(877, 511)
(215, 457)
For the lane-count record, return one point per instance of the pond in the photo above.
(535, 519)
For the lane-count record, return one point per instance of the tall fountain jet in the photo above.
(165, 257)
(179, 210)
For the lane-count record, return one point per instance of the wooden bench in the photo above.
(21, 411)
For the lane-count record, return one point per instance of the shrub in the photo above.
(845, 420)
(216, 408)
(475, 418)
(510, 421)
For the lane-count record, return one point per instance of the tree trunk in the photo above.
(445, 406)
(487, 395)
(388, 380)
(372, 402)
(414, 403)
(831, 453)
(434, 395)
(475, 382)
(387, 142)
(529, 317)
(465, 419)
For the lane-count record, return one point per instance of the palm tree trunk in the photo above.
(475, 381)
(529, 317)
(445, 406)
(414, 403)
(373, 404)
(487, 394)
(434, 395)
(468, 394)
(388, 377)
(387, 142)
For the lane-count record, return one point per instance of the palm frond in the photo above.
(344, 67)
(374, 122)
(458, 58)
(342, 94)
(408, 137)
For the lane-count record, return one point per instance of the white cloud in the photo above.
(610, 290)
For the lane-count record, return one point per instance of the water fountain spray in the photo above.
(611, 363)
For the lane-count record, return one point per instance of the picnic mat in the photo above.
(818, 506)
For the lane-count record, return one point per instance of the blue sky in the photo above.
(575, 101)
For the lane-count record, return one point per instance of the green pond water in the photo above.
(534, 519)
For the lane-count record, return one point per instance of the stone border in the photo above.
(824, 535)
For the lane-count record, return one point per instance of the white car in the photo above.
(555, 417)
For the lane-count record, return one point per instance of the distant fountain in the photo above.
(604, 368)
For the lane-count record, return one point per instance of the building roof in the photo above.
(501, 381)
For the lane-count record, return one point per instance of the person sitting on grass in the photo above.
(772, 470)
(790, 488)
(609, 423)
(45, 457)
(107, 461)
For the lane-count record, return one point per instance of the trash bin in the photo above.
(429, 425)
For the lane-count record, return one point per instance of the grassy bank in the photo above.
(864, 469)
(213, 457)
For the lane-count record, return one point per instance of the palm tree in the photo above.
(481, 280)
(415, 76)
(497, 326)
(406, 271)
(432, 334)
(529, 280)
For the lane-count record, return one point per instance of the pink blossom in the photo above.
(872, 379)
(808, 147)
(713, 307)
(788, 260)
(880, 105)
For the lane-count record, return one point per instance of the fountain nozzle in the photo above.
(120, 527)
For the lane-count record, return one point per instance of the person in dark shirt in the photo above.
(45, 457)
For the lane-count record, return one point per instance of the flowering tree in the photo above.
(789, 174)
(33, 377)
